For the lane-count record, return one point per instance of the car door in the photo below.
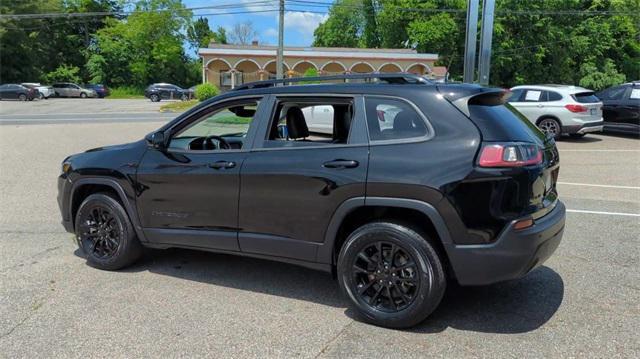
(612, 99)
(74, 90)
(529, 103)
(630, 108)
(10, 92)
(290, 187)
(188, 192)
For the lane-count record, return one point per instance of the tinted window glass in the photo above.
(615, 93)
(390, 119)
(515, 95)
(586, 97)
(504, 123)
(553, 96)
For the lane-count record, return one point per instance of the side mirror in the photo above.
(158, 140)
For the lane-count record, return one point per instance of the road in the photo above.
(75, 110)
(584, 302)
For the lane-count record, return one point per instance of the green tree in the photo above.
(199, 34)
(343, 27)
(597, 79)
(145, 47)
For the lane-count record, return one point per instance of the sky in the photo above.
(300, 20)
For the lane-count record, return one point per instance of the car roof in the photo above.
(553, 87)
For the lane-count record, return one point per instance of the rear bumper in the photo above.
(587, 127)
(512, 255)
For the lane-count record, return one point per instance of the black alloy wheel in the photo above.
(100, 232)
(391, 274)
(105, 233)
(385, 276)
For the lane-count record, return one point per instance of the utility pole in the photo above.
(280, 58)
(470, 41)
(484, 64)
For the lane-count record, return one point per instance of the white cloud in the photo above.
(251, 6)
(304, 23)
(270, 32)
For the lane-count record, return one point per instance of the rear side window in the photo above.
(504, 123)
(553, 96)
(391, 119)
(615, 93)
(585, 97)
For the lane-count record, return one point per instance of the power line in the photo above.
(53, 15)
(318, 4)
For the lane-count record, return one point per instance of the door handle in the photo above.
(222, 164)
(340, 164)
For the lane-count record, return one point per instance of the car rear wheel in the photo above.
(154, 98)
(391, 274)
(40, 96)
(105, 234)
(83, 95)
(551, 127)
(22, 97)
(184, 98)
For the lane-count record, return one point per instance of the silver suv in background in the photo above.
(67, 89)
(559, 109)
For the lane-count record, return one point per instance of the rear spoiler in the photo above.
(463, 97)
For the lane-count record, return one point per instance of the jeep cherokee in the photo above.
(452, 184)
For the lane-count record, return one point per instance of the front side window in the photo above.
(391, 119)
(223, 129)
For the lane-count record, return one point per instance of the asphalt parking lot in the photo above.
(584, 302)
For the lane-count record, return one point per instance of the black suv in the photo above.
(164, 91)
(417, 184)
(621, 108)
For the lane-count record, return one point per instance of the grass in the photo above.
(126, 92)
(179, 106)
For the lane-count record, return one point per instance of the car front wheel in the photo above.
(83, 95)
(105, 234)
(391, 274)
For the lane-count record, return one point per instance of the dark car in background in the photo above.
(621, 108)
(165, 91)
(101, 90)
(17, 92)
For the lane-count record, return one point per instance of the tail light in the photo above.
(380, 114)
(576, 108)
(510, 155)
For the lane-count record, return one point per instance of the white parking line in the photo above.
(562, 150)
(606, 213)
(598, 185)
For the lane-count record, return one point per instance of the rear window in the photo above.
(504, 123)
(585, 97)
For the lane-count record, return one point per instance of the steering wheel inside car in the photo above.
(207, 143)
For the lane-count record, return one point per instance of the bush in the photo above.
(63, 73)
(127, 92)
(206, 91)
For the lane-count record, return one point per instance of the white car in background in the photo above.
(559, 109)
(320, 118)
(44, 92)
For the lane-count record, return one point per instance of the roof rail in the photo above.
(391, 78)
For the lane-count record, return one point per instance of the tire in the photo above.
(550, 126)
(184, 98)
(22, 97)
(83, 95)
(113, 245)
(40, 96)
(154, 98)
(416, 290)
